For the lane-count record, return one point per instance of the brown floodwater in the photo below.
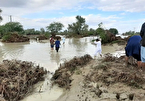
(41, 54)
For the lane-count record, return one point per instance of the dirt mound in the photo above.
(14, 37)
(17, 78)
(112, 70)
(62, 76)
(41, 37)
(104, 79)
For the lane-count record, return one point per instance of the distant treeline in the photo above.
(78, 28)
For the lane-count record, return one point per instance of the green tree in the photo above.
(2, 31)
(113, 31)
(55, 27)
(79, 27)
(92, 31)
(13, 27)
(1, 16)
(100, 30)
(30, 31)
(130, 33)
(42, 30)
(100, 25)
(102, 33)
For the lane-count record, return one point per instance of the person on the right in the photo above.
(142, 34)
(133, 48)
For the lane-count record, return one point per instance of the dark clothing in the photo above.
(133, 47)
(52, 45)
(57, 45)
(142, 34)
(56, 48)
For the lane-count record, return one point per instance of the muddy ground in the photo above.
(106, 79)
(17, 79)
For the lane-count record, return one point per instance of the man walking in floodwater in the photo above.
(57, 45)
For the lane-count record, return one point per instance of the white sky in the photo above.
(124, 15)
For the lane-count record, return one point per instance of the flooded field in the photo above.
(40, 53)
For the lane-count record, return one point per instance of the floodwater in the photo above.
(41, 54)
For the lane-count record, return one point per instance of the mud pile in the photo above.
(41, 37)
(62, 76)
(112, 70)
(17, 79)
(14, 37)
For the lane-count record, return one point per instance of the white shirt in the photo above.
(98, 43)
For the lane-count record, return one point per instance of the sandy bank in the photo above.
(107, 79)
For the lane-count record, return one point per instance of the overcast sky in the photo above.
(124, 15)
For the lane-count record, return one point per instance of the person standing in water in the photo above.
(52, 43)
(57, 45)
(63, 40)
(98, 48)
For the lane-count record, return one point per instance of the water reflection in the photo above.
(11, 50)
(41, 53)
(55, 56)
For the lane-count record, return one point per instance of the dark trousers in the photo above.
(57, 48)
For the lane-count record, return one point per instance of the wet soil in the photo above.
(17, 79)
(104, 79)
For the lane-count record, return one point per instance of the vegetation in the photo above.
(131, 33)
(113, 31)
(101, 32)
(55, 27)
(1, 16)
(78, 28)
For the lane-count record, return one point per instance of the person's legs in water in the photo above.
(52, 47)
(57, 48)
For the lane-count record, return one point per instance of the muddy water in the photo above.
(40, 53)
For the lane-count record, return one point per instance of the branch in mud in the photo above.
(62, 76)
(19, 78)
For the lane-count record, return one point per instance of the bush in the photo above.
(6, 37)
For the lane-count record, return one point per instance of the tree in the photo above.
(2, 31)
(30, 31)
(92, 31)
(130, 33)
(1, 16)
(102, 33)
(113, 31)
(79, 27)
(100, 25)
(13, 27)
(55, 27)
(42, 30)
